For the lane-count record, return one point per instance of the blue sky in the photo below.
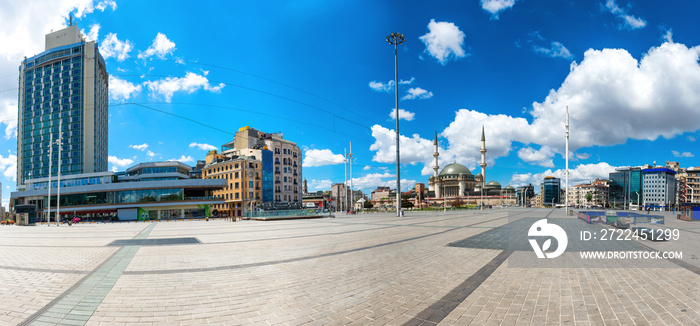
(321, 72)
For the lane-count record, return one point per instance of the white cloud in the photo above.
(112, 47)
(8, 115)
(121, 90)
(319, 184)
(496, 6)
(160, 47)
(403, 114)
(93, 34)
(691, 138)
(205, 147)
(119, 163)
(389, 86)
(382, 87)
(613, 97)
(183, 159)
(87, 7)
(102, 5)
(413, 150)
(417, 92)
(374, 180)
(367, 167)
(141, 147)
(684, 154)
(321, 157)
(8, 166)
(581, 174)
(444, 41)
(190, 83)
(630, 21)
(578, 156)
(151, 154)
(541, 157)
(556, 50)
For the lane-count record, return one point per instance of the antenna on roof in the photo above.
(70, 21)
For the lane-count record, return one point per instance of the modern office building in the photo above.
(243, 176)
(156, 190)
(67, 86)
(550, 189)
(625, 188)
(659, 187)
(285, 159)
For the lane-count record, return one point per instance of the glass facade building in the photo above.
(267, 177)
(65, 85)
(551, 191)
(626, 188)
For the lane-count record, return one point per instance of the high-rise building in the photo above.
(659, 186)
(67, 84)
(285, 161)
(550, 191)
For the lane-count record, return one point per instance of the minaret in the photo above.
(483, 165)
(483, 155)
(436, 167)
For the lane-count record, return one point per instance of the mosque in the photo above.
(456, 185)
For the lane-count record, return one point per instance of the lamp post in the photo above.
(692, 194)
(59, 142)
(637, 199)
(395, 39)
(48, 203)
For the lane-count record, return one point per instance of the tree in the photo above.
(368, 204)
(406, 204)
(589, 197)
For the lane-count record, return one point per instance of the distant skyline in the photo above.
(322, 73)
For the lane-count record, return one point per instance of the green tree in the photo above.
(368, 204)
(589, 197)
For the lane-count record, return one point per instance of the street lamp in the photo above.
(636, 192)
(395, 39)
(692, 194)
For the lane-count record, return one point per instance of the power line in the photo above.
(203, 124)
(263, 92)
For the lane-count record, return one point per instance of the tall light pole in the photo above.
(345, 185)
(59, 141)
(692, 194)
(352, 194)
(48, 204)
(395, 39)
(567, 161)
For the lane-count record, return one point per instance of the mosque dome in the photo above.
(493, 184)
(455, 169)
(509, 188)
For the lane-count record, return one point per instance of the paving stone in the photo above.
(369, 269)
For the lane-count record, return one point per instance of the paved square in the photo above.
(375, 269)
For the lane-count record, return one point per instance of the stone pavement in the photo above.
(425, 268)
